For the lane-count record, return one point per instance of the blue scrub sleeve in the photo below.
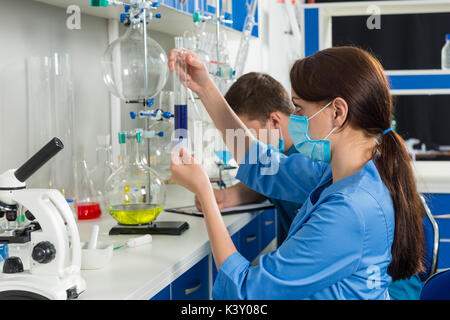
(326, 249)
(279, 176)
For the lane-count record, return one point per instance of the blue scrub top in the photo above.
(406, 289)
(339, 243)
(286, 210)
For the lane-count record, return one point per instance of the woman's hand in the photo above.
(197, 75)
(187, 172)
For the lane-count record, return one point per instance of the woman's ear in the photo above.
(340, 112)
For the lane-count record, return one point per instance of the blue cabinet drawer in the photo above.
(164, 294)
(235, 239)
(249, 242)
(444, 255)
(439, 203)
(444, 226)
(193, 284)
(267, 227)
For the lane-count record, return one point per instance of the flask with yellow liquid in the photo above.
(134, 193)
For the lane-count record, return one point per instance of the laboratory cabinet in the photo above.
(250, 240)
(439, 204)
(164, 294)
(193, 284)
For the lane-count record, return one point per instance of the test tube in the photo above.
(180, 91)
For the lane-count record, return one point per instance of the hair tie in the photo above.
(386, 131)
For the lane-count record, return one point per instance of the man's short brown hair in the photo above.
(256, 95)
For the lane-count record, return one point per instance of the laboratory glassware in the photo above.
(105, 165)
(135, 194)
(181, 91)
(249, 23)
(446, 53)
(124, 65)
(50, 114)
(86, 202)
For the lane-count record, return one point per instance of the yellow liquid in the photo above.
(136, 213)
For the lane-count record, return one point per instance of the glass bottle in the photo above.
(445, 61)
(86, 202)
(134, 193)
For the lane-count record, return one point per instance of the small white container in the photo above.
(96, 258)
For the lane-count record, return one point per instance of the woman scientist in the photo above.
(361, 223)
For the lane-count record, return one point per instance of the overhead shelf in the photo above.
(416, 82)
(386, 7)
(174, 22)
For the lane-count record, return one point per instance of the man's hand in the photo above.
(220, 196)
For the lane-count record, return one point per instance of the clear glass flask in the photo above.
(124, 65)
(104, 167)
(86, 202)
(135, 194)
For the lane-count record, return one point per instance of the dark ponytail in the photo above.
(394, 166)
(358, 78)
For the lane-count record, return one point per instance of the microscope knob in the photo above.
(29, 215)
(43, 252)
(13, 265)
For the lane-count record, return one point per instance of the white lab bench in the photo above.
(142, 272)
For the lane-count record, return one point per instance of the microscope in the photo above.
(50, 236)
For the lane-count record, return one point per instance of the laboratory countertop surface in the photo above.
(432, 176)
(141, 272)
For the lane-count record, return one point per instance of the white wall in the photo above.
(29, 28)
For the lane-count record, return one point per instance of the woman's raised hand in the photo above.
(196, 72)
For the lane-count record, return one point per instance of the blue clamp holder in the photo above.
(167, 115)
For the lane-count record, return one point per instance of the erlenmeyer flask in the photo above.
(87, 204)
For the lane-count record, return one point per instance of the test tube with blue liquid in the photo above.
(180, 91)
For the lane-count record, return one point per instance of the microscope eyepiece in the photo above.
(39, 159)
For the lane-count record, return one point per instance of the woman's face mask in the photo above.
(316, 150)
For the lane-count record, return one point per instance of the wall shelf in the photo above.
(386, 7)
(174, 22)
(418, 82)
(317, 26)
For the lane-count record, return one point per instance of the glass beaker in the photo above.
(86, 202)
(135, 193)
